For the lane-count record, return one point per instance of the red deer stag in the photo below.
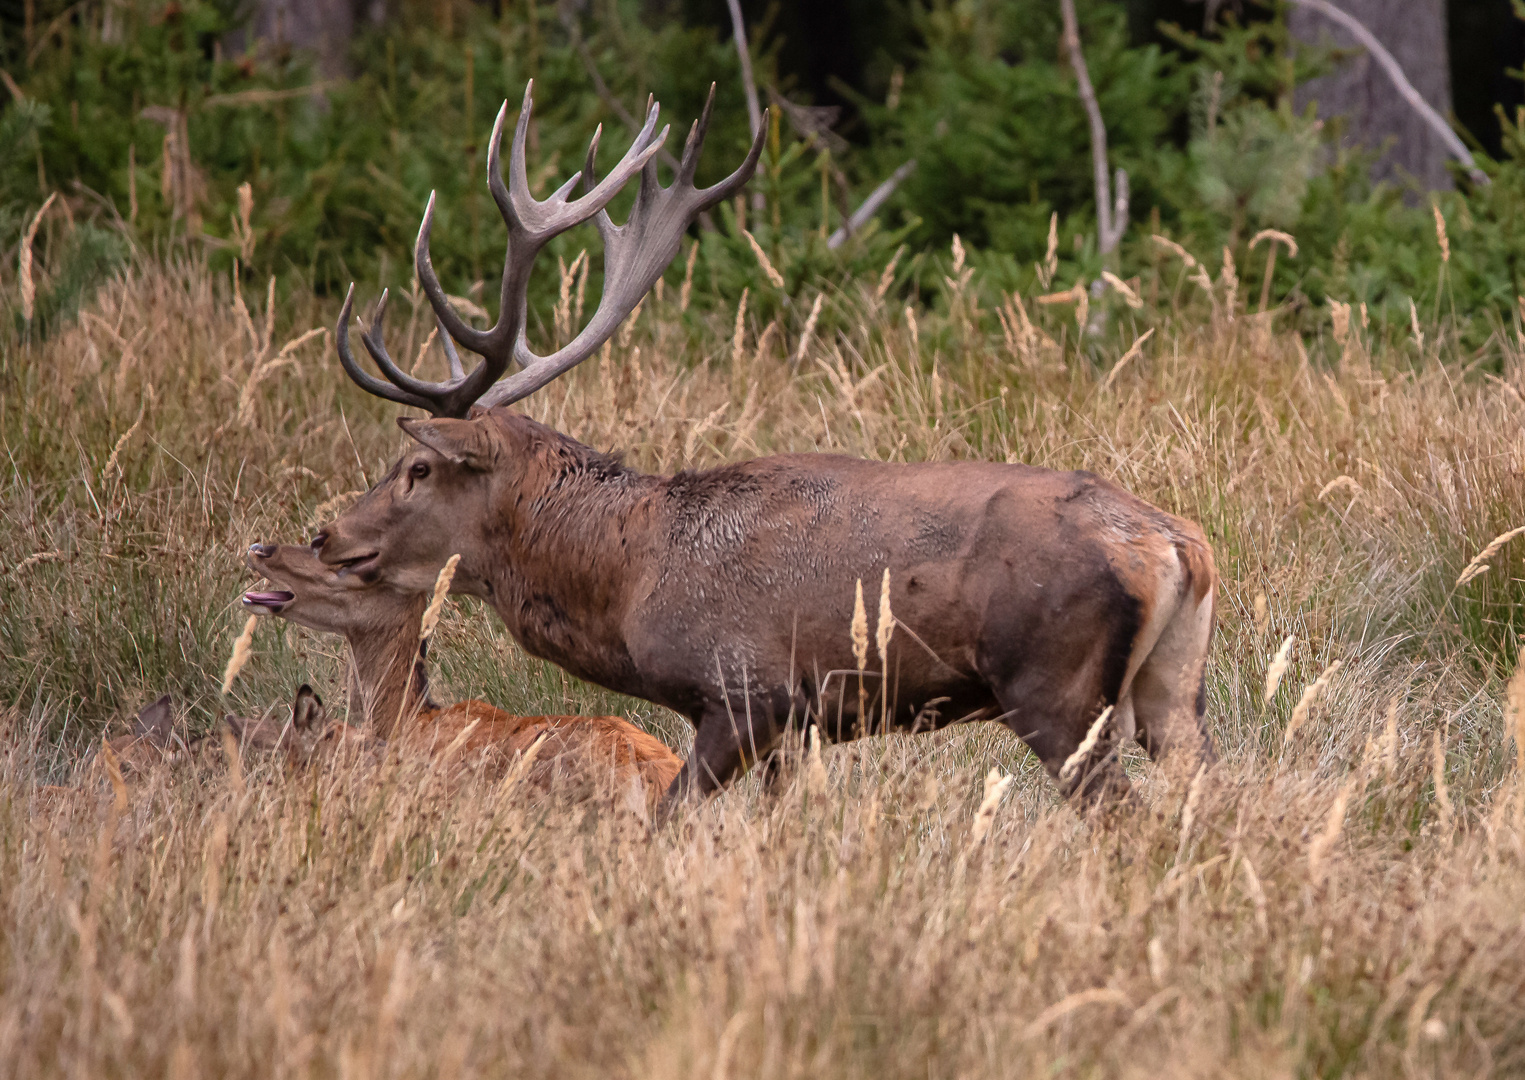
(389, 688)
(1032, 597)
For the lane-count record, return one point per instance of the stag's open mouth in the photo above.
(271, 603)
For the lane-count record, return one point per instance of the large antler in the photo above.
(635, 255)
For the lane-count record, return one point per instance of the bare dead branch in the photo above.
(748, 83)
(871, 205)
(1111, 211)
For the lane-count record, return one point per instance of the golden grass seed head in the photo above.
(1339, 312)
(885, 627)
(437, 601)
(686, 293)
(815, 313)
(1438, 777)
(1310, 695)
(739, 335)
(1262, 608)
(887, 277)
(1276, 236)
(1073, 763)
(996, 785)
(860, 628)
(1440, 234)
(1322, 845)
(243, 645)
(27, 284)
(774, 277)
(1479, 563)
(1278, 667)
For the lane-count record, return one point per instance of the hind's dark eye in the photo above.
(419, 470)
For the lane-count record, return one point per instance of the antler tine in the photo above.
(695, 141)
(589, 176)
(495, 182)
(635, 255)
(715, 193)
(364, 379)
(453, 357)
(542, 219)
(476, 340)
(375, 344)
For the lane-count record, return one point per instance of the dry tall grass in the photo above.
(1343, 902)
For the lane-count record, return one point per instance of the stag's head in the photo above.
(420, 512)
(428, 506)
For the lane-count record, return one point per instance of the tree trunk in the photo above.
(320, 27)
(1360, 92)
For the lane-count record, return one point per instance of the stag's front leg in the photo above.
(729, 738)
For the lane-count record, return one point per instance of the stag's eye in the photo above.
(419, 470)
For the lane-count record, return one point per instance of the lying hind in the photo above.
(389, 689)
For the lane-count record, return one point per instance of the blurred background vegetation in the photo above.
(147, 118)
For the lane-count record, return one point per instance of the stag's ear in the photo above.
(155, 722)
(465, 442)
(307, 712)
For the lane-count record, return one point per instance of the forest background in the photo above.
(206, 123)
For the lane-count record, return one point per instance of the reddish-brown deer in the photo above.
(389, 690)
(1019, 594)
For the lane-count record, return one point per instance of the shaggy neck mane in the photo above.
(561, 473)
(570, 526)
(561, 457)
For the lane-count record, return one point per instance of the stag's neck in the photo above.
(576, 526)
(388, 678)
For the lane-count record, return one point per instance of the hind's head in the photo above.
(151, 742)
(302, 735)
(320, 597)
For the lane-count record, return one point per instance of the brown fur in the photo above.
(1031, 596)
(150, 744)
(390, 687)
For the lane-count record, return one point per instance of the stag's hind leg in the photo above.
(1054, 716)
(1170, 689)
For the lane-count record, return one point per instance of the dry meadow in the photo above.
(1343, 895)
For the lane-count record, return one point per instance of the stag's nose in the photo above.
(262, 551)
(318, 541)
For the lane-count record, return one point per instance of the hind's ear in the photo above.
(307, 712)
(156, 722)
